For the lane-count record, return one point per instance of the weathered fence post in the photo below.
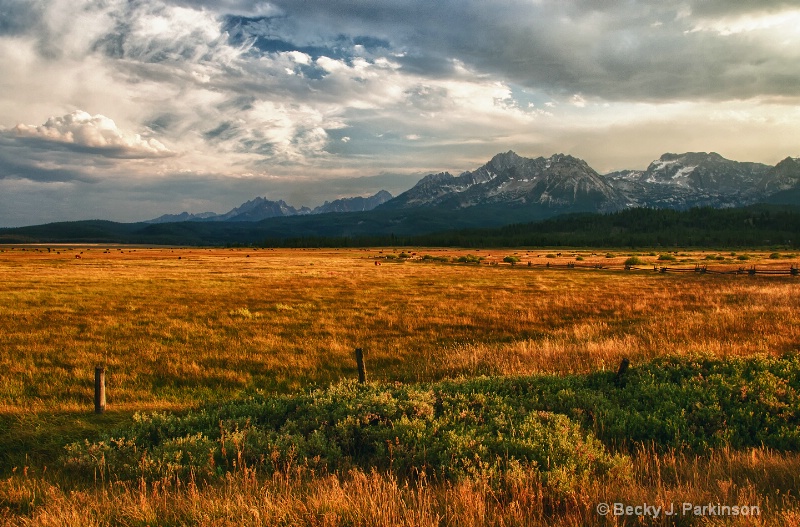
(362, 371)
(623, 368)
(99, 389)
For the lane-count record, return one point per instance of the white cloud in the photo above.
(578, 100)
(95, 133)
(785, 24)
(299, 57)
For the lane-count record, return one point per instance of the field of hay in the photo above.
(177, 328)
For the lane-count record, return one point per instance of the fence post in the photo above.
(99, 389)
(362, 371)
(619, 380)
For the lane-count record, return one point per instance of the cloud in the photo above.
(96, 134)
(615, 50)
(310, 92)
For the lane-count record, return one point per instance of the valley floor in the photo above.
(181, 328)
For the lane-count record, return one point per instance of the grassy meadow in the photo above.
(181, 329)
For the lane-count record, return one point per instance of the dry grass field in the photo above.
(179, 327)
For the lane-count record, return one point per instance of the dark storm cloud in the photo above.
(18, 162)
(617, 50)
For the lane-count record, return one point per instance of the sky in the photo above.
(126, 109)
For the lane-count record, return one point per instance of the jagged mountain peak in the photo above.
(691, 157)
(560, 181)
(789, 162)
(505, 160)
(356, 204)
(261, 208)
(782, 177)
(691, 179)
(437, 178)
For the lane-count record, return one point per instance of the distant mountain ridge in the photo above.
(692, 179)
(261, 208)
(512, 188)
(356, 204)
(562, 183)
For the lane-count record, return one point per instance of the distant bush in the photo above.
(404, 255)
(579, 259)
(743, 257)
(513, 260)
(469, 258)
(666, 257)
(549, 255)
(430, 258)
(609, 255)
(711, 257)
(391, 257)
(775, 256)
(633, 260)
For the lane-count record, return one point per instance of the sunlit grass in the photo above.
(759, 478)
(173, 331)
(177, 327)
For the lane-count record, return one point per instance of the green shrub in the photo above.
(666, 257)
(743, 257)
(549, 255)
(579, 259)
(513, 260)
(469, 258)
(775, 256)
(633, 260)
(483, 427)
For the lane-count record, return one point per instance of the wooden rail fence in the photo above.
(701, 269)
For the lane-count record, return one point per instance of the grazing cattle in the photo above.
(377, 263)
(78, 256)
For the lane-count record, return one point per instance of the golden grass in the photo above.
(176, 327)
(759, 478)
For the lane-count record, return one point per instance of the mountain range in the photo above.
(261, 208)
(509, 189)
(544, 187)
(562, 183)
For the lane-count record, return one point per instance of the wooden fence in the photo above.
(701, 269)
